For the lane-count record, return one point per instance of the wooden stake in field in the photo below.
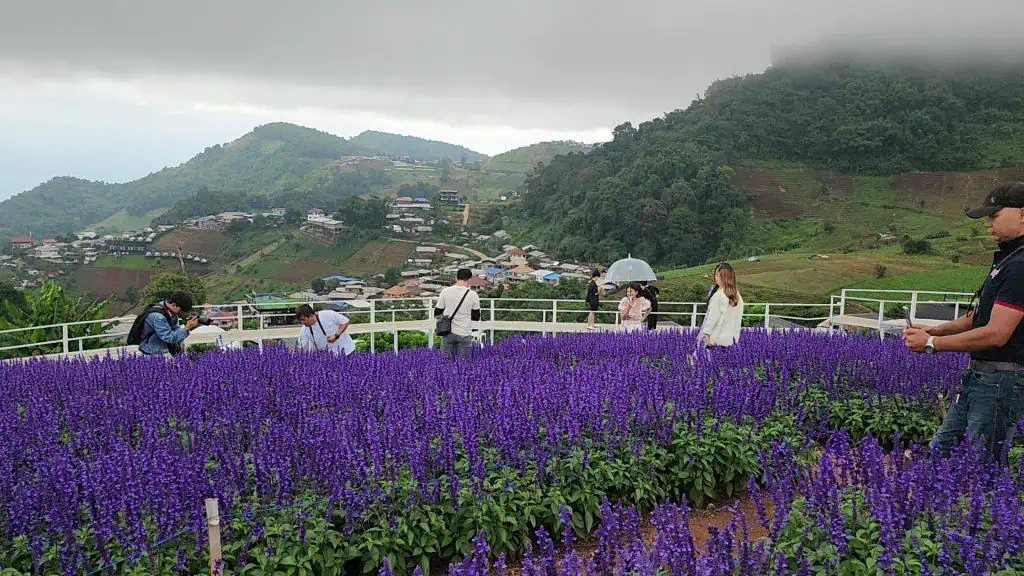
(213, 531)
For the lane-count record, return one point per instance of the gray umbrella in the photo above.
(630, 270)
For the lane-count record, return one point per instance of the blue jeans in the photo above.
(988, 407)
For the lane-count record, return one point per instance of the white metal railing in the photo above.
(257, 322)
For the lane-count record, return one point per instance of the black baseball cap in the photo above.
(1004, 196)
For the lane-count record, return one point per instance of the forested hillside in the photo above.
(399, 146)
(873, 119)
(667, 189)
(269, 161)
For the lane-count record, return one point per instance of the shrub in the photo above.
(917, 246)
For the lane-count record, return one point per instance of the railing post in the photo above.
(492, 321)
(956, 310)
(395, 334)
(554, 312)
(767, 316)
(430, 326)
(373, 329)
(693, 316)
(241, 324)
(913, 305)
(881, 318)
(213, 532)
(64, 337)
(842, 303)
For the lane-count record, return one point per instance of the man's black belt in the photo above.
(993, 366)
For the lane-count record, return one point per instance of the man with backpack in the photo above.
(457, 307)
(324, 330)
(158, 331)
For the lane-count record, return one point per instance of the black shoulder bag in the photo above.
(444, 323)
(312, 338)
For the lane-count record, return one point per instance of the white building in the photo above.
(324, 227)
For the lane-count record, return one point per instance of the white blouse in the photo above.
(723, 322)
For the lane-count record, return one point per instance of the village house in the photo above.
(22, 242)
(516, 256)
(521, 273)
(324, 227)
(448, 197)
(547, 276)
(397, 291)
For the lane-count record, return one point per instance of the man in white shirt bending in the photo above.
(324, 330)
(463, 315)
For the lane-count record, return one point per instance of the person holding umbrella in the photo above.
(650, 292)
(634, 308)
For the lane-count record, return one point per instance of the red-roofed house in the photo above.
(478, 282)
(396, 292)
(22, 241)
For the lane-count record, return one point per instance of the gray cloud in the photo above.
(529, 63)
(112, 89)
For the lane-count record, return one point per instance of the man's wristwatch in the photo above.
(929, 347)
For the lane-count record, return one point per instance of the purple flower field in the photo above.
(324, 465)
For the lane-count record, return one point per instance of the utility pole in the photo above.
(181, 259)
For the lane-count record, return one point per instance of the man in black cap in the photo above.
(991, 399)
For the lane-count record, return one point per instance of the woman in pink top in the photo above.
(634, 308)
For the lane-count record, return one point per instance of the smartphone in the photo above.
(906, 313)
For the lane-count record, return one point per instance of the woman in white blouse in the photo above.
(725, 310)
(634, 308)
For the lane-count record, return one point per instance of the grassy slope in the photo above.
(134, 262)
(289, 268)
(523, 160)
(122, 221)
(796, 277)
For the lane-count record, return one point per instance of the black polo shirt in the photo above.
(1005, 287)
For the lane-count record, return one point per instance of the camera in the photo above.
(203, 319)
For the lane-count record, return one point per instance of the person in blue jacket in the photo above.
(163, 333)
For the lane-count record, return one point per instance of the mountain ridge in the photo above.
(401, 145)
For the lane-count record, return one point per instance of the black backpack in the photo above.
(139, 325)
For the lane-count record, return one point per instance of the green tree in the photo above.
(49, 305)
(318, 285)
(11, 294)
(163, 285)
(392, 276)
(369, 214)
(916, 246)
(445, 165)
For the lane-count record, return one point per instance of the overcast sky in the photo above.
(115, 89)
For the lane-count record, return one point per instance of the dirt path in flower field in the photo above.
(700, 521)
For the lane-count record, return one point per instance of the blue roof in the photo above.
(552, 276)
(494, 271)
(420, 199)
(338, 278)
